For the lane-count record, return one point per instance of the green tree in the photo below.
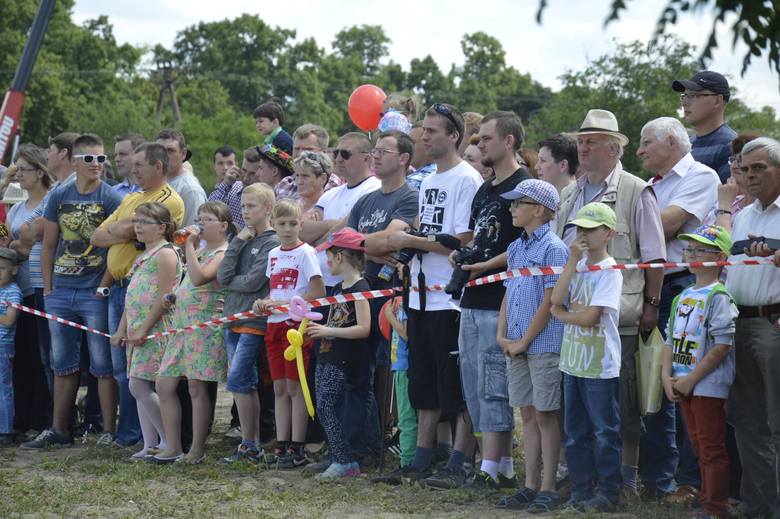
(367, 42)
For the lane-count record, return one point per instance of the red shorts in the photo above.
(275, 344)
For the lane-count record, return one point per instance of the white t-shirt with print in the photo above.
(289, 272)
(594, 352)
(445, 207)
(336, 204)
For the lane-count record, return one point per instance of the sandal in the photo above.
(519, 501)
(545, 502)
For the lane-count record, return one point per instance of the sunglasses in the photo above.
(346, 154)
(88, 159)
(442, 109)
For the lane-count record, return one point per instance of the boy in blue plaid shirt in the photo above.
(531, 341)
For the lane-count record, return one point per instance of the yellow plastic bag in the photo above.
(649, 360)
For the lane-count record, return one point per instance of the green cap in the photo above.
(595, 215)
(714, 235)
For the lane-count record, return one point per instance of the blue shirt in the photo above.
(399, 352)
(415, 178)
(12, 294)
(231, 195)
(714, 150)
(124, 188)
(77, 264)
(524, 294)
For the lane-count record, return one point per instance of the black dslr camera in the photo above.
(463, 256)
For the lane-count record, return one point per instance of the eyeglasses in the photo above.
(378, 152)
(144, 221)
(207, 220)
(734, 159)
(442, 109)
(88, 159)
(518, 203)
(696, 251)
(346, 154)
(693, 96)
(26, 170)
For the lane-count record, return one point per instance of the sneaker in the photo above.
(406, 474)
(445, 479)
(340, 470)
(316, 468)
(481, 482)
(505, 482)
(48, 438)
(244, 453)
(544, 502)
(293, 460)
(519, 501)
(106, 439)
(234, 433)
(597, 504)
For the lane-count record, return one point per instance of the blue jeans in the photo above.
(243, 350)
(6, 389)
(128, 429)
(659, 455)
(81, 306)
(593, 444)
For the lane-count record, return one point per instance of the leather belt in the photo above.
(758, 311)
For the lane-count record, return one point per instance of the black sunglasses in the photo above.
(345, 154)
(442, 109)
(89, 158)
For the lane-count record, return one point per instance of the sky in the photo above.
(572, 31)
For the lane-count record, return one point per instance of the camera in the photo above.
(403, 256)
(463, 256)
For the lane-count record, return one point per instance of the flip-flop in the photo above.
(165, 461)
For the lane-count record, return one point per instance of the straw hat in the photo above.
(603, 122)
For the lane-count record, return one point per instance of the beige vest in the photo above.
(622, 194)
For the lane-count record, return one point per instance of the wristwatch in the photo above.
(653, 301)
(103, 291)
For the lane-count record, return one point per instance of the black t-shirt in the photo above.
(491, 222)
(352, 355)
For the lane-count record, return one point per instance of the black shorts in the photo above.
(434, 376)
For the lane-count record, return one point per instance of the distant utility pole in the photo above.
(166, 67)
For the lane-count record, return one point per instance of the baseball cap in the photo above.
(538, 191)
(8, 254)
(595, 214)
(345, 238)
(704, 80)
(713, 235)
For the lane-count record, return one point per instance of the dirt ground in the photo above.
(90, 481)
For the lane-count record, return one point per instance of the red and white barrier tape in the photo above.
(373, 294)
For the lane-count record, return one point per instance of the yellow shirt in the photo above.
(122, 255)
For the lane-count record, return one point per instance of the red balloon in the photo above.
(365, 105)
(384, 324)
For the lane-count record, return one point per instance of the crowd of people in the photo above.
(432, 375)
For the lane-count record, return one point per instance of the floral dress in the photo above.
(144, 361)
(199, 354)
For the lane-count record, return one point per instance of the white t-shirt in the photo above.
(594, 352)
(336, 204)
(289, 272)
(693, 187)
(445, 207)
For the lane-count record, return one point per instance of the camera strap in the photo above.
(406, 284)
(421, 283)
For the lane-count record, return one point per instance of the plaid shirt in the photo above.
(286, 187)
(231, 195)
(524, 294)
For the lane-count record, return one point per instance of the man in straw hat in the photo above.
(639, 239)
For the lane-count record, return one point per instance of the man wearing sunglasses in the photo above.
(704, 98)
(72, 271)
(434, 379)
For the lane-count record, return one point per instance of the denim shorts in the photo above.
(243, 350)
(483, 371)
(79, 305)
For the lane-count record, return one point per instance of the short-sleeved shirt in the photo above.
(374, 211)
(78, 264)
(289, 272)
(399, 350)
(122, 255)
(693, 187)
(714, 150)
(12, 294)
(524, 294)
(415, 178)
(445, 207)
(491, 222)
(594, 352)
(335, 205)
(351, 355)
(17, 216)
(191, 193)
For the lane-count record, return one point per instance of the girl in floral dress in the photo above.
(155, 272)
(200, 355)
